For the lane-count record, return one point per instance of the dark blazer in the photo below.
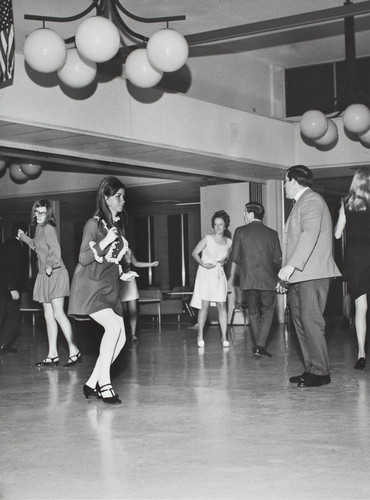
(308, 239)
(256, 249)
(13, 273)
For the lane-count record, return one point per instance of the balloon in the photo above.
(2, 165)
(167, 50)
(77, 72)
(356, 119)
(365, 138)
(140, 72)
(16, 173)
(313, 124)
(31, 169)
(44, 50)
(330, 136)
(97, 39)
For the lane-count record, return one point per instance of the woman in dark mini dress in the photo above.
(354, 215)
(95, 283)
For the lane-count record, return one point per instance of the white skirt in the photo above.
(210, 285)
(128, 291)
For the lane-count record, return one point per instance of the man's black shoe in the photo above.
(299, 378)
(261, 351)
(8, 348)
(315, 381)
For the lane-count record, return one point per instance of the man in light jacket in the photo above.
(308, 266)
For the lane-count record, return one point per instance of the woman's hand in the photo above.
(14, 294)
(20, 233)
(155, 263)
(111, 236)
(208, 265)
(48, 270)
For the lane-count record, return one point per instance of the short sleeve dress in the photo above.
(358, 252)
(47, 247)
(211, 284)
(95, 282)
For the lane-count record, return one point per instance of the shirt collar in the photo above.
(298, 195)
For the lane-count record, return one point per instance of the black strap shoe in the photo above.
(360, 364)
(72, 360)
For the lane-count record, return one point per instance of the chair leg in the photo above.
(232, 317)
(189, 309)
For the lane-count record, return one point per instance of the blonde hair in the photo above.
(358, 198)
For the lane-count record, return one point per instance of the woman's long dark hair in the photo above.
(109, 187)
(50, 216)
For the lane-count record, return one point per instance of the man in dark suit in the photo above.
(308, 265)
(12, 278)
(256, 249)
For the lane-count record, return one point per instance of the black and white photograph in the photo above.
(184, 249)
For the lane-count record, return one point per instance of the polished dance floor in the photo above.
(193, 424)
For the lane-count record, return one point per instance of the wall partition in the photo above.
(168, 238)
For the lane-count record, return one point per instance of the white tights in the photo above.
(113, 340)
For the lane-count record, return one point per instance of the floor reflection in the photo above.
(200, 424)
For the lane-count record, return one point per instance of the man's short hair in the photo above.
(301, 174)
(256, 208)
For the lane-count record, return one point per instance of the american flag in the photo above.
(6, 41)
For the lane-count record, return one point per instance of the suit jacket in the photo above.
(13, 270)
(308, 239)
(256, 249)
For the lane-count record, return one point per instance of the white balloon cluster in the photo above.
(166, 51)
(97, 41)
(323, 132)
(21, 172)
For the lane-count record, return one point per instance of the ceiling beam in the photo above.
(65, 162)
(280, 23)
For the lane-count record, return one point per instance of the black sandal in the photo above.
(89, 391)
(113, 399)
(72, 360)
(53, 361)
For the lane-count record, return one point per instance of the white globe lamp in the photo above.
(31, 169)
(314, 124)
(77, 72)
(356, 119)
(167, 50)
(2, 165)
(17, 174)
(330, 136)
(97, 39)
(44, 50)
(140, 72)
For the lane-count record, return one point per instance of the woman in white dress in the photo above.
(211, 254)
(129, 293)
